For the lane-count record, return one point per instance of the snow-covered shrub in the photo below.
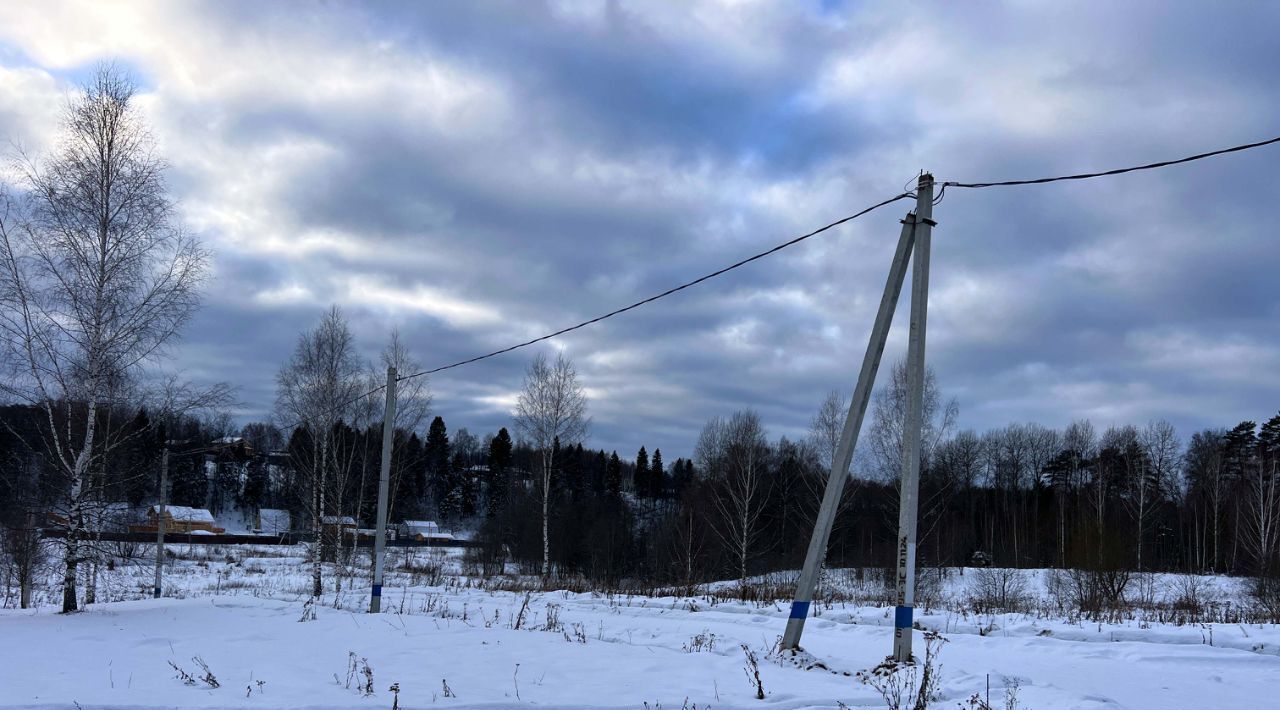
(22, 556)
(358, 670)
(1088, 592)
(428, 571)
(752, 670)
(909, 686)
(1011, 688)
(704, 641)
(1191, 595)
(553, 623)
(995, 589)
(1266, 594)
(1145, 589)
(930, 587)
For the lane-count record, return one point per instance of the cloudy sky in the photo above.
(476, 174)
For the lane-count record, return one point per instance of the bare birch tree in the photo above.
(888, 417)
(413, 404)
(737, 456)
(826, 426)
(1159, 442)
(552, 405)
(1262, 510)
(96, 277)
(824, 438)
(317, 388)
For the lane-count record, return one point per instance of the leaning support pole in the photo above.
(910, 495)
(384, 483)
(164, 496)
(848, 439)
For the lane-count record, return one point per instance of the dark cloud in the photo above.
(476, 174)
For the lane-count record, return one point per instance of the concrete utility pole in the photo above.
(384, 483)
(33, 528)
(164, 496)
(911, 431)
(849, 438)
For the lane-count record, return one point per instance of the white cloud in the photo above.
(460, 313)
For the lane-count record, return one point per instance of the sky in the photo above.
(477, 174)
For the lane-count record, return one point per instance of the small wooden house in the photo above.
(338, 526)
(418, 529)
(181, 519)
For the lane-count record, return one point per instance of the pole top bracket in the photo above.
(913, 219)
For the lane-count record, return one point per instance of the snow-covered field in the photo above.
(450, 641)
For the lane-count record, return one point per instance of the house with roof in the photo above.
(417, 529)
(181, 519)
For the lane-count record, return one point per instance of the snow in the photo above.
(185, 514)
(241, 617)
(271, 520)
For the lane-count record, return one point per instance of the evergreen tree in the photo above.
(640, 479)
(599, 469)
(613, 476)
(137, 463)
(440, 474)
(257, 485)
(572, 466)
(499, 483)
(1269, 446)
(1239, 449)
(681, 478)
(408, 479)
(188, 484)
(657, 477)
(463, 491)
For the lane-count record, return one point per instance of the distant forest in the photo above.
(1131, 497)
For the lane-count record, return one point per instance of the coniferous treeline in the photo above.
(1024, 495)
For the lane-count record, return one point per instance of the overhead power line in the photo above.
(801, 238)
(618, 311)
(335, 409)
(1117, 171)
(664, 294)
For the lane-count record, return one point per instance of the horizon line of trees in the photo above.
(1024, 495)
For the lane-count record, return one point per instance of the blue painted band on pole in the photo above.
(799, 609)
(902, 617)
(157, 592)
(377, 590)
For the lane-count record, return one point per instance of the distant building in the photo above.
(180, 519)
(418, 529)
(232, 444)
(337, 526)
